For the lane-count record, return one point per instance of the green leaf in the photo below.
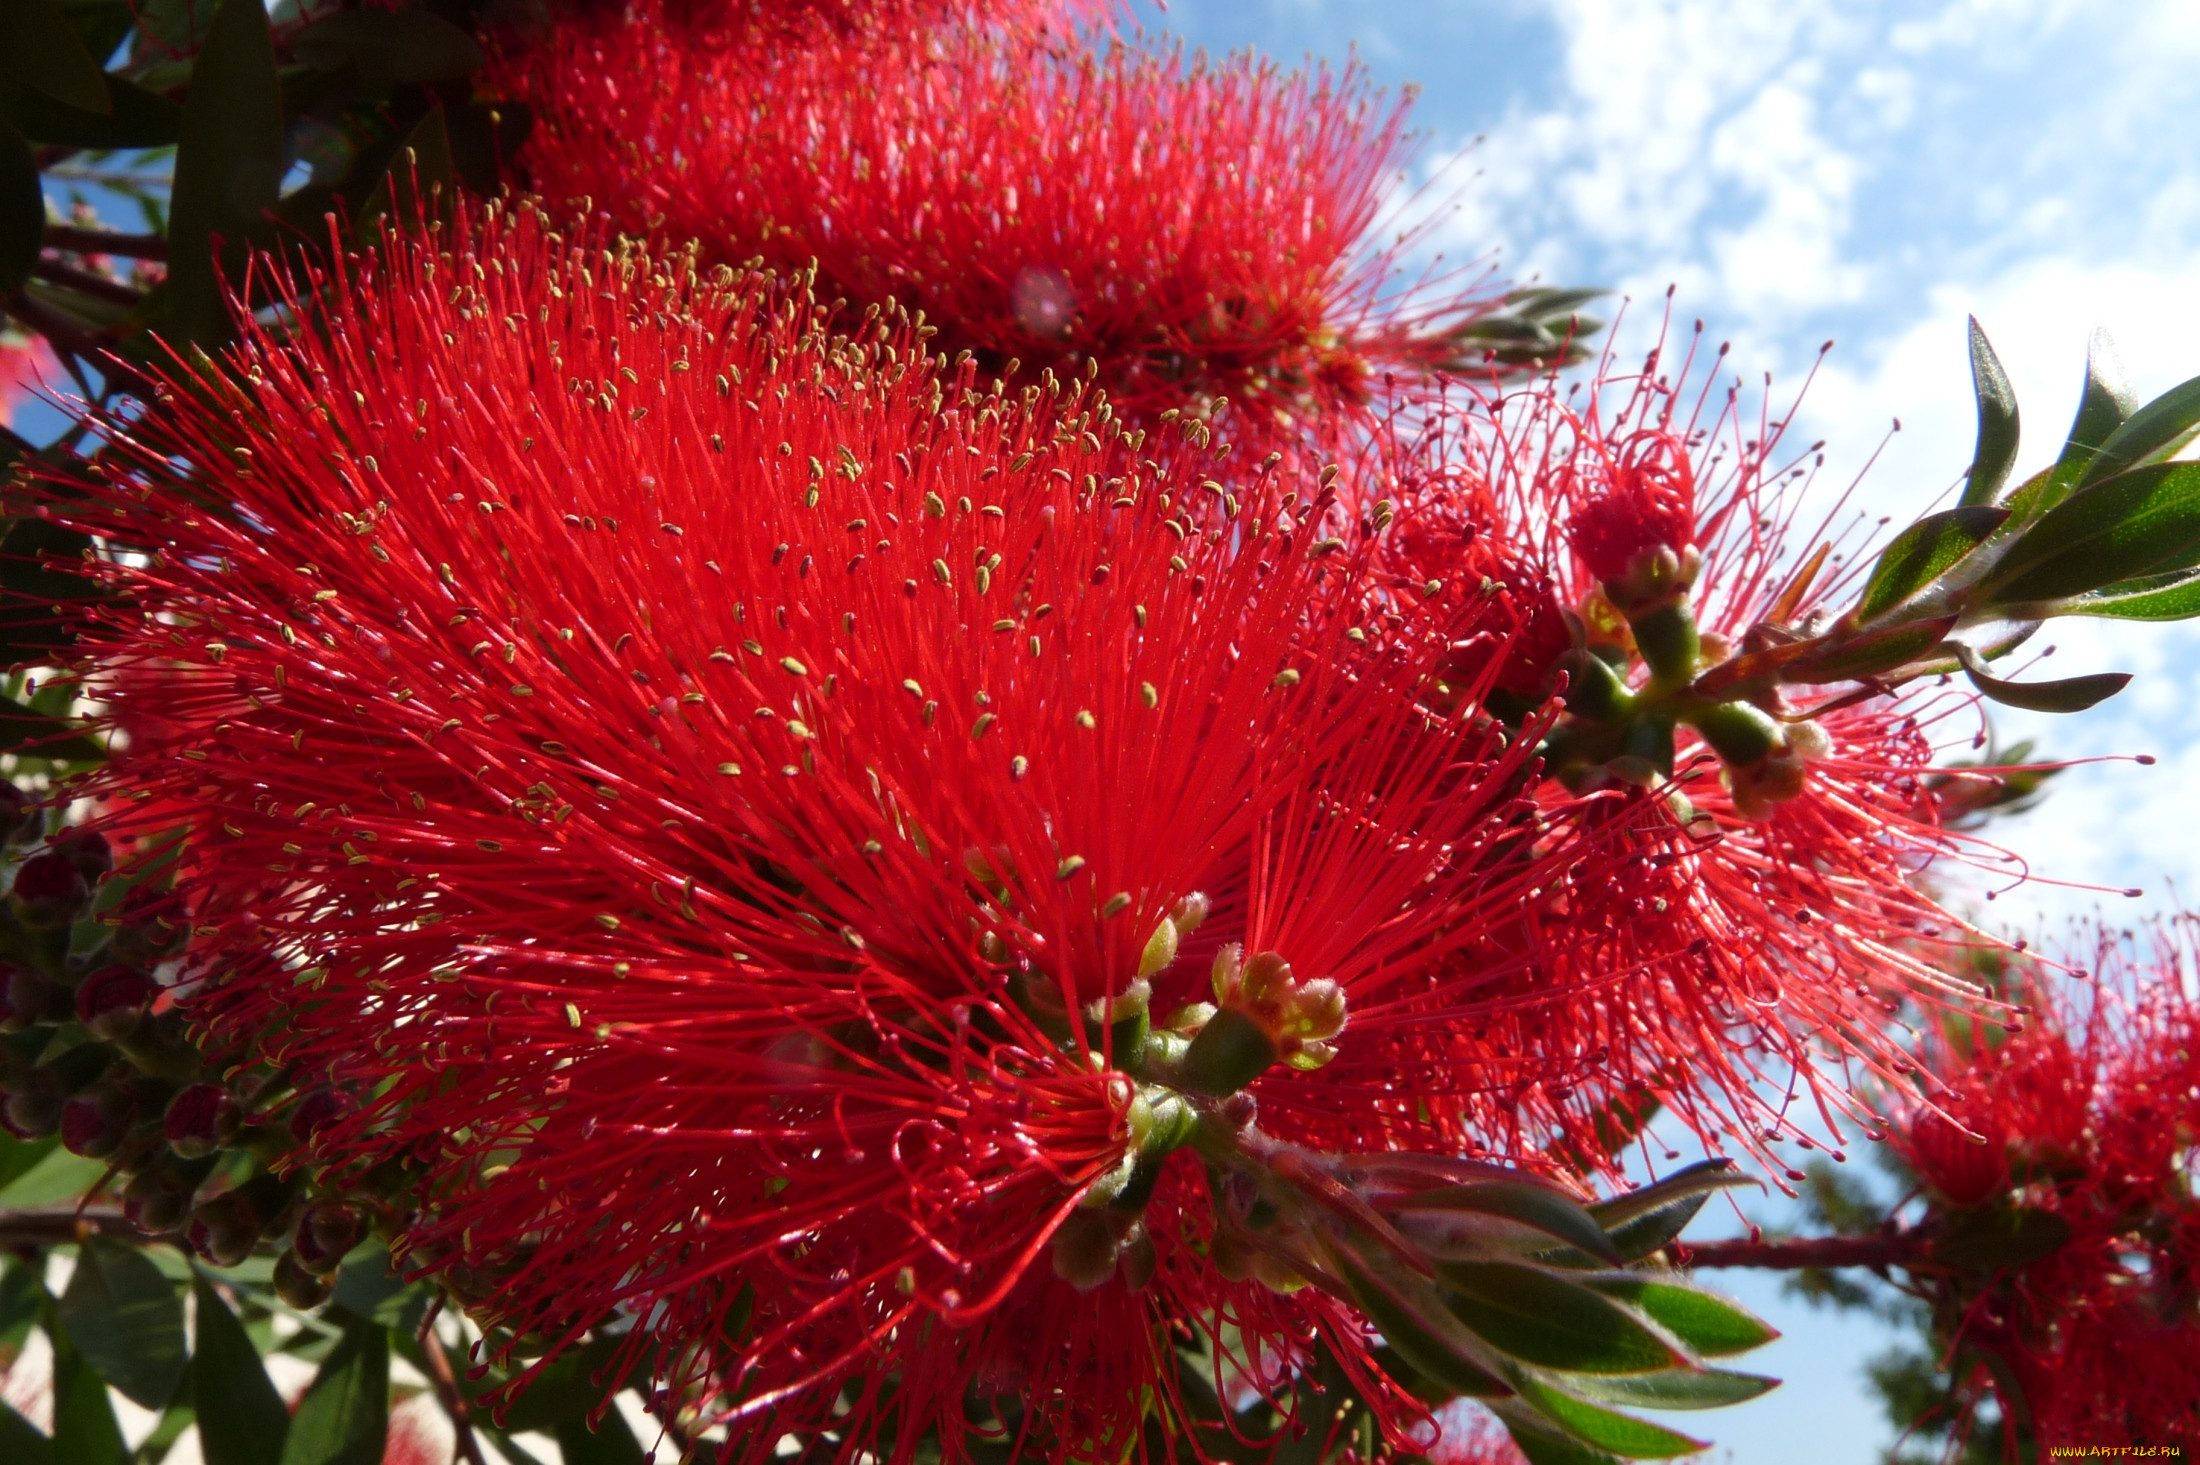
(1871, 653)
(1997, 424)
(2145, 521)
(422, 166)
(229, 167)
(21, 1442)
(1988, 1241)
(1529, 1216)
(34, 735)
(20, 1156)
(1690, 1182)
(611, 1442)
(1647, 1220)
(1924, 552)
(45, 52)
(242, 1419)
(22, 1299)
(20, 1439)
(1706, 1322)
(1540, 1447)
(1542, 1318)
(1414, 1321)
(22, 210)
(566, 1388)
(391, 47)
(84, 1428)
(1621, 1434)
(59, 1177)
(344, 1419)
(2171, 597)
(2102, 408)
(1679, 1388)
(2071, 694)
(127, 1321)
(2154, 432)
(137, 118)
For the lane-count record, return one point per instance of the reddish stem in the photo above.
(99, 241)
(1879, 1252)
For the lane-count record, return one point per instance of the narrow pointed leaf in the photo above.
(2071, 694)
(22, 209)
(611, 1442)
(1414, 1322)
(126, 1320)
(344, 1419)
(393, 47)
(1870, 653)
(229, 166)
(1997, 423)
(567, 1388)
(1621, 1434)
(48, 55)
(2143, 522)
(1679, 1388)
(136, 118)
(1540, 1443)
(2171, 597)
(1703, 1178)
(20, 1440)
(1536, 1216)
(2154, 432)
(1706, 1322)
(418, 184)
(242, 1419)
(1924, 552)
(2102, 408)
(84, 1428)
(1545, 1319)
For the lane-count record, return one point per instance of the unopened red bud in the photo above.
(298, 1286)
(95, 1123)
(316, 1112)
(151, 926)
(224, 1229)
(35, 1114)
(50, 892)
(88, 850)
(18, 816)
(1084, 1249)
(113, 1001)
(200, 1120)
(158, 1200)
(1137, 1260)
(1232, 1258)
(324, 1236)
(26, 1000)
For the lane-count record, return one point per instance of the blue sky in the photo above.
(1865, 171)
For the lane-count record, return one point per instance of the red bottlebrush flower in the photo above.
(2084, 1123)
(1631, 496)
(1200, 231)
(708, 790)
(1720, 921)
(795, 22)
